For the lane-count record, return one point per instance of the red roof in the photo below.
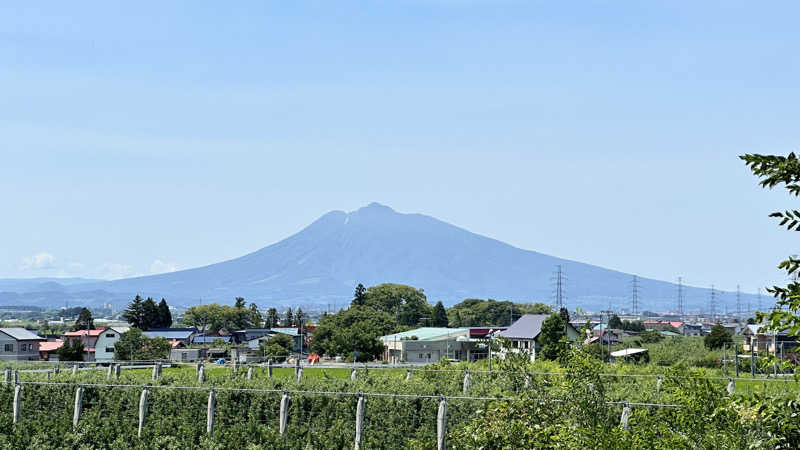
(50, 346)
(81, 333)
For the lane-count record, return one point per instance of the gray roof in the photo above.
(183, 334)
(526, 327)
(21, 334)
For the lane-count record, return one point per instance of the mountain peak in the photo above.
(375, 208)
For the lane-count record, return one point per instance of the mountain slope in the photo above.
(323, 262)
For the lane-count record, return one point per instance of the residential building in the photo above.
(759, 339)
(693, 329)
(104, 347)
(19, 344)
(523, 334)
(86, 337)
(248, 334)
(48, 350)
(183, 335)
(428, 344)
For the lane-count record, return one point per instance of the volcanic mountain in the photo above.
(322, 263)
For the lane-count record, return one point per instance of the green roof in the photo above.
(425, 333)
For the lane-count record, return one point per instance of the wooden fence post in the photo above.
(465, 387)
(269, 368)
(353, 374)
(109, 371)
(441, 424)
(17, 395)
(250, 373)
(48, 375)
(155, 371)
(731, 386)
(76, 413)
(408, 374)
(74, 370)
(7, 376)
(359, 420)
(626, 414)
(201, 374)
(212, 401)
(299, 374)
(284, 412)
(297, 366)
(658, 384)
(142, 411)
(16, 376)
(117, 370)
(527, 381)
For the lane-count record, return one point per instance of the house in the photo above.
(104, 347)
(693, 329)
(524, 333)
(48, 350)
(301, 340)
(605, 337)
(183, 335)
(759, 339)
(248, 334)
(19, 344)
(187, 354)
(429, 344)
(88, 338)
(207, 339)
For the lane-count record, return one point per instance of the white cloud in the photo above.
(39, 261)
(115, 270)
(159, 266)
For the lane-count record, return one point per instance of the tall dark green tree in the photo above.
(150, 312)
(615, 322)
(359, 296)
(254, 316)
(564, 313)
(272, 318)
(134, 313)
(164, 315)
(781, 171)
(289, 318)
(552, 338)
(439, 315)
(240, 303)
(71, 351)
(718, 337)
(84, 320)
(299, 317)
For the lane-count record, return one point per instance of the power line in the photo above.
(738, 302)
(680, 296)
(713, 303)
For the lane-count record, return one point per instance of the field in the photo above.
(521, 405)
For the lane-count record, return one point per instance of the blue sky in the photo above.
(150, 136)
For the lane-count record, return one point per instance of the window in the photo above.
(184, 356)
(111, 335)
(9, 348)
(23, 347)
(420, 356)
(109, 349)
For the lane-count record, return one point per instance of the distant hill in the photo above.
(322, 263)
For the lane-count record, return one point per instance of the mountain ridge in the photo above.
(322, 263)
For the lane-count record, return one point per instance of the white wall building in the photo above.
(104, 349)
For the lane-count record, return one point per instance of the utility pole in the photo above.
(558, 280)
(713, 303)
(680, 296)
(635, 295)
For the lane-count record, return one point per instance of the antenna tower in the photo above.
(559, 279)
(635, 295)
(680, 296)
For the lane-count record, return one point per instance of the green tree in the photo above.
(564, 313)
(718, 337)
(164, 315)
(615, 322)
(439, 315)
(215, 317)
(355, 329)
(289, 318)
(552, 338)
(277, 347)
(272, 318)
(299, 317)
(254, 316)
(134, 345)
(776, 171)
(84, 321)
(406, 303)
(71, 351)
(240, 303)
(359, 296)
(650, 337)
(474, 312)
(134, 313)
(150, 313)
